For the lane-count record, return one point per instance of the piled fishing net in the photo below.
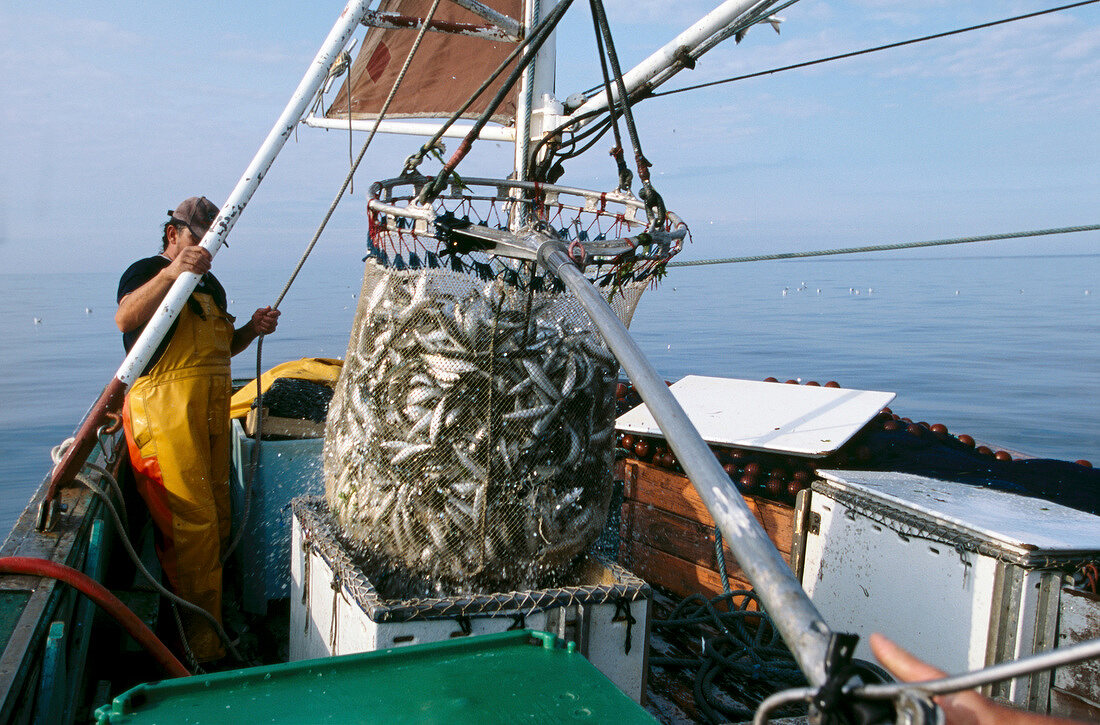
(470, 437)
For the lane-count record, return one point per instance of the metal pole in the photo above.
(794, 615)
(157, 327)
(671, 52)
(231, 210)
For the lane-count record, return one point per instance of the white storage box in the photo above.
(962, 576)
(335, 610)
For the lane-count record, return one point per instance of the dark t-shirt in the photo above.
(143, 270)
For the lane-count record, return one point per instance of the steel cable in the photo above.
(885, 247)
(875, 49)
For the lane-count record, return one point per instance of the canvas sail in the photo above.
(446, 71)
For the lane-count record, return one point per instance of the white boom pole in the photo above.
(158, 326)
(155, 330)
(713, 22)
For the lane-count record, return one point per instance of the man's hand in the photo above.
(959, 708)
(264, 321)
(188, 259)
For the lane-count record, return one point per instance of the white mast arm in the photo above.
(672, 52)
(158, 326)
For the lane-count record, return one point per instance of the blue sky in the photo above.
(114, 112)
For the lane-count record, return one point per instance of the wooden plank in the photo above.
(1079, 683)
(672, 534)
(1065, 704)
(289, 427)
(674, 493)
(679, 576)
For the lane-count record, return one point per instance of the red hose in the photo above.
(101, 596)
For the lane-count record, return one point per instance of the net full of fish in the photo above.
(469, 440)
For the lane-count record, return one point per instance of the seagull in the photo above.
(87, 310)
(38, 320)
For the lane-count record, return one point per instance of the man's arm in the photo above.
(139, 306)
(263, 322)
(959, 708)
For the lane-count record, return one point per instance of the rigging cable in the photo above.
(413, 161)
(865, 51)
(886, 247)
(654, 205)
(254, 459)
(625, 177)
(433, 188)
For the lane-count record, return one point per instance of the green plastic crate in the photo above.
(510, 677)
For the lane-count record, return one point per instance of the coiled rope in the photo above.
(754, 655)
(886, 247)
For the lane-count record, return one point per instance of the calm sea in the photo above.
(1004, 348)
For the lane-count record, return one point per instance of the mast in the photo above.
(536, 91)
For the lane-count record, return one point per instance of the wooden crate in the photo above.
(286, 427)
(667, 534)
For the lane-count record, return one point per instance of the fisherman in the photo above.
(176, 415)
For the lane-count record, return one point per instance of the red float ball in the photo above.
(1083, 462)
(621, 390)
(814, 384)
(642, 449)
(966, 440)
(771, 380)
(832, 384)
(746, 484)
(752, 468)
(984, 450)
(627, 442)
(792, 382)
(914, 429)
(939, 428)
(890, 425)
(1003, 456)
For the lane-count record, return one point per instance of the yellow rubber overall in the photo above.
(176, 418)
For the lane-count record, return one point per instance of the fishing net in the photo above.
(470, 437)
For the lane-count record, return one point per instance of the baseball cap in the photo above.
(197, 213)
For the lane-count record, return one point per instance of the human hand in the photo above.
(265, 320)
(189, 259)
(959, 708)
